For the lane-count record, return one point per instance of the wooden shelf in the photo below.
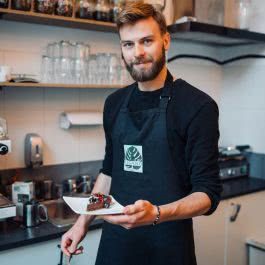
(46, 85)
(54, 20)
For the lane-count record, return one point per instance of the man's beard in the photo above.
(142, 75)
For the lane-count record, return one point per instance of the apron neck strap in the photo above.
(166, 92)
(164, 97)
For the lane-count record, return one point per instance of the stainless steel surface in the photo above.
(33, 150)
(32, 213)
(48, 185)
(60, 214)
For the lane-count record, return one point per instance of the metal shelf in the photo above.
(214, 35)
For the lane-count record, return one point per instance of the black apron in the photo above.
(143, 169)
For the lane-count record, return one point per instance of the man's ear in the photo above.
(166, 41)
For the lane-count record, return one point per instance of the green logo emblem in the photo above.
(133, 160)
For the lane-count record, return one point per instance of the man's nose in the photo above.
(139, 50)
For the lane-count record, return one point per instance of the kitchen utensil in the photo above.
(34, 213)
(48, 189)
(69, 186)
(84, 184)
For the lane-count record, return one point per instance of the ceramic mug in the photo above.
(5, 73)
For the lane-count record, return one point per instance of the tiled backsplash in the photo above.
(56, 173)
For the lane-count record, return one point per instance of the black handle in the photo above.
(237, 208)
(61, 256)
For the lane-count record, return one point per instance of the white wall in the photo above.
(242, 99)
(37, 109)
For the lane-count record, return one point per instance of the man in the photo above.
(161, 155)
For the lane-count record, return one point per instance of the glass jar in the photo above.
(102, 10)
(242, 13)
(64, 8)
(115, 8)
(24, 5)
(44, 6)
(86, 9)
(3, 3)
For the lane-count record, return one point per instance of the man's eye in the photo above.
(127, 45)
(147, 42)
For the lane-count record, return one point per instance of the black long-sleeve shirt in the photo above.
(193, 134)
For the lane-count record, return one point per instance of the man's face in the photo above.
(143, 49)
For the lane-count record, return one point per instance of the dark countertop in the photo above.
(13, 235)
(241, 186)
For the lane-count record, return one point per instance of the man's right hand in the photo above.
(76, 234)
(71, 239)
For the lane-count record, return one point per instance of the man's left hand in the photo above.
(138, 214)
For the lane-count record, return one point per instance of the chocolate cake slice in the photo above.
(98, 201)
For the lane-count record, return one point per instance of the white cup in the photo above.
(5, 73)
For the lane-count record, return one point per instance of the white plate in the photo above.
(79, 205)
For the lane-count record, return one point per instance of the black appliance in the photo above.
(233, 162)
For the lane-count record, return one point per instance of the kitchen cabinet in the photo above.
(48, 252)
(250, 222)
(219, 240)
(209, 236)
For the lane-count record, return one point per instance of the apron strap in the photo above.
(165, 96)
(166, 93)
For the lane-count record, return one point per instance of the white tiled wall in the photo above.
(37, 109)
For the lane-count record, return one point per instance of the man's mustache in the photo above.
(140, 61)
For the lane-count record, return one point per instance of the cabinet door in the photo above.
(90, 244)
(40, 253)
(209, 234)
(48, 252)
(250, 222)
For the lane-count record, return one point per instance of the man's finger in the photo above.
(73, 247)
(116, 219)
(64, 246)
(138, 206)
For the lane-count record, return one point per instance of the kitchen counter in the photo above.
(13, 235)
(241, 186)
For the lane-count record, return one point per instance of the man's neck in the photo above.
(156, 83)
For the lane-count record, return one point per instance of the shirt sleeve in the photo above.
(107, 162)
(202, 153)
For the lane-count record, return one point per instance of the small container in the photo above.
(64, 8)
(24, 5)
(86, 9)
(44, 6)
(84, 184)
(3, 3)
(102, 10)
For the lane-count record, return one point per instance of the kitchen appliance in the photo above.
(33, 150)
(22, 192)
(7, 208)
(233, 162)
(34, 213)
(5, 142)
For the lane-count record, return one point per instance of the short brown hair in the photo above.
(136, 10)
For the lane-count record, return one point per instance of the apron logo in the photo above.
(133, 160)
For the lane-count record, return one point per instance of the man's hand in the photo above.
(71, 239)
(138, 214)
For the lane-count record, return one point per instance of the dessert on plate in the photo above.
(98, 201)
